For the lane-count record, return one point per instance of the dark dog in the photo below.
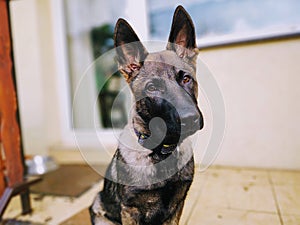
(153, 167)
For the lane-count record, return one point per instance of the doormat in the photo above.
(17, 222)
(68, 180)
(81, 218)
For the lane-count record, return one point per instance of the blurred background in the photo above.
(73, 106)
(251, 48)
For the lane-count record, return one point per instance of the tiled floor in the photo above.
(218, 196)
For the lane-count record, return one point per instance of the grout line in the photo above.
(250, 210)
(275, 198)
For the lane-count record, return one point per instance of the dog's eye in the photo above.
(151, 87)
(186, 79)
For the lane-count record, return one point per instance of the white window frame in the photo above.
(72, 137)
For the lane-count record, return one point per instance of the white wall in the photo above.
(41, 68)
(29, 81)
(260, 86)
(259, 83)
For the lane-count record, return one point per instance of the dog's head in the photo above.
(163, 84)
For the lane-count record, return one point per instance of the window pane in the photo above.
(216, 18)
(96, 98)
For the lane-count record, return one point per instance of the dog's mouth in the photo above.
(168, 148)
(165, 134)
(164, 147)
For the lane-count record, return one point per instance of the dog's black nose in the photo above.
(191, 122)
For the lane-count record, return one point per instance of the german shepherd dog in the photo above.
(151, 171)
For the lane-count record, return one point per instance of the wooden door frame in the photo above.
(12, 164)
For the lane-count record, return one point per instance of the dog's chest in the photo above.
(160, 193)
(156, 205)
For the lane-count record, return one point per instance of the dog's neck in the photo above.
(130, 149)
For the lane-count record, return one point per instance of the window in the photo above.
(216, 22)
(89, 34)
(221, 21)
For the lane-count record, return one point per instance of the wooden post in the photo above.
(12, 181)
(10, 132)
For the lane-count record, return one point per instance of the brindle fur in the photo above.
(129, 195)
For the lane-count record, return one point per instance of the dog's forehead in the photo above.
(165, 60)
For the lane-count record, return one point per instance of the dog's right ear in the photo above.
(182, 38)
(130, 51)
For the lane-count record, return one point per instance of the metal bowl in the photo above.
(38, 165)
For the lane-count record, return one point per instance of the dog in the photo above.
(151, 172)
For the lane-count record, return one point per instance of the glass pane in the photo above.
(89, 28)
(216, 18)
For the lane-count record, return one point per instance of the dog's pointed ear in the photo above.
(182, 38)
(130, 51)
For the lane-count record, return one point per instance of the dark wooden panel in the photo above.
(9, 128)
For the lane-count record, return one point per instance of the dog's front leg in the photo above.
(174, 220)
(129, 215)
(97, 213)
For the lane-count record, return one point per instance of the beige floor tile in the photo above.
(291, 220)
(217, 216)
(288, 197)
(285, 177)
(239, 189)
(218, 196)
(52, 210)
(199, 181)
(14, 208)
(239, 175)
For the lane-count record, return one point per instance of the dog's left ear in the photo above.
(182, 38)
(130, 51)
